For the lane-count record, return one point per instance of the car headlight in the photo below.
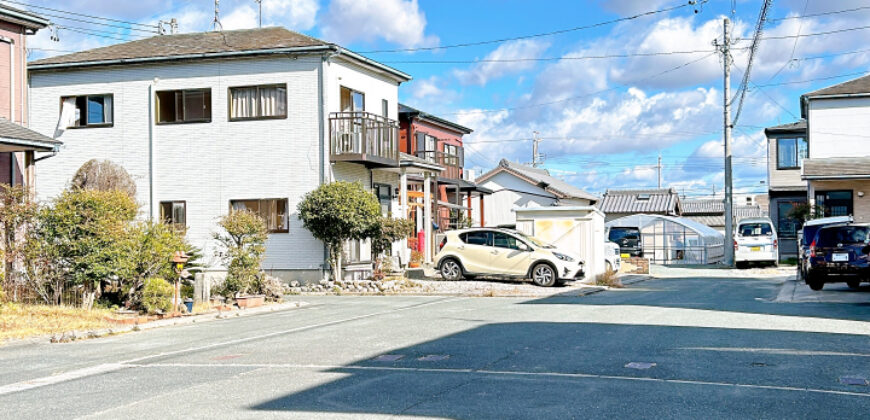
(563, 257)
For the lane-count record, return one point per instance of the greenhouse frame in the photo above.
(674, 240)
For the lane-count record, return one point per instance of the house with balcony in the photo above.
(246, 119)
(786, 151)
(837, 167)
(439, 141)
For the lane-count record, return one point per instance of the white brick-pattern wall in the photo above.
(206, 164)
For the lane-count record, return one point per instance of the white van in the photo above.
(755, 240)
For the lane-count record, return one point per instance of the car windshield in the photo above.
(617, 234)
(535, 242)
(846, 235)
(755, 229)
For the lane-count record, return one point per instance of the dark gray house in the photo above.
(620, 203)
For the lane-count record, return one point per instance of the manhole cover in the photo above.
(759, 364)
(388, 357)
(853, 380)
(640, 365)
(433, 358)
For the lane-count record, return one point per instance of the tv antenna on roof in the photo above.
(217, 14)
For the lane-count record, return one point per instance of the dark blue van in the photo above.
(838, 253)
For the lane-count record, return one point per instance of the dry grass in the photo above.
(23, 321)
(609, 279)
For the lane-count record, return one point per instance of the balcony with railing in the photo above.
(363, 137)
(451, 163)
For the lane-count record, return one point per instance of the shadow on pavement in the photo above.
(745, 295)
(566, 370)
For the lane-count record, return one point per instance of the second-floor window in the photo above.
(352, 100)
(453, 155)
(89, 110)
(272, 210)
(426, 146)
(790, 152)
(258, 102)
(183, 106)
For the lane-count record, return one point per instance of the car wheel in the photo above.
(741, 265)
(815, 281)
(853, 284)
(543, 275)
(451, 270)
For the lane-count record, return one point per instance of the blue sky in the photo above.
(603, 121)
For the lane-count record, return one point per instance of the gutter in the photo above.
(833, 177)
(32, 143)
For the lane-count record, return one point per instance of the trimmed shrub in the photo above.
(244, 240)
(103, 175)
(157, 295)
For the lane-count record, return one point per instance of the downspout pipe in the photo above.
(151, 149)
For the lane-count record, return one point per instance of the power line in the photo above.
(79, 14)
(86, 32)
(539, 35)
(111, 25)
(803, 16)
(100, 31)
(832, 32)
(515, 60)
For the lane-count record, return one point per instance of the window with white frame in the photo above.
(88, 110)
(258, 102)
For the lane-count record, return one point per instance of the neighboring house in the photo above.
(621, 203)
(786, 151)
(837, 170)
(439, 141)
(247, 119)
(712, 212)
(514, 185)
(18, 144)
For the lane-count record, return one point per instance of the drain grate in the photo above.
(853, 380)
(759, 364)
(433, 358)
(640, 365)
(388, 357)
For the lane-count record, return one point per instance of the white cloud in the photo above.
(400, 22)
(241, 17)
(481, 73)
(298, 15)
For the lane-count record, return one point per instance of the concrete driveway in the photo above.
(687, 347)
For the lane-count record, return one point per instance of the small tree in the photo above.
(17, 215)
(386, 231)
(244, 240)
(338, 212)
(148, 248)
(804, 211)
(157, 295)
(104, 175)
(81, 235)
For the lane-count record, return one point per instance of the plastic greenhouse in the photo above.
(674, 240)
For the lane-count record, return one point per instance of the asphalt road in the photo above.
(702, 348)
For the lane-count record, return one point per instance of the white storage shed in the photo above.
(578, 230)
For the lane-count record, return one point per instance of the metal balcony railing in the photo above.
(363, 137)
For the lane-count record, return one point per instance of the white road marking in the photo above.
(110, 367)
(501, 373)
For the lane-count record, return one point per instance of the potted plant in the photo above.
(416, 259)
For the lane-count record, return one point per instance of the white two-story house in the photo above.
(207, 122)
(837, 170)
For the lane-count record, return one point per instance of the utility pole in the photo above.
(659, 167)
(217, 14)
(260, 5)
(536, 158)
(725, 49)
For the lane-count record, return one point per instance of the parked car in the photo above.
(468, 253)
(628, 239)
(839, 253)
(612, 257)
(755, 241)
(806, 234)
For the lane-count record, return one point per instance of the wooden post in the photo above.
(482, 221)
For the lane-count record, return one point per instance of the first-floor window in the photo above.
(258, 102)
(272, 210)
(173, 213)
(88, 110)
(786, 227)
(385, 197)
(835, 203)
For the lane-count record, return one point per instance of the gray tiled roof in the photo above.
(660, 201)
(407, 110)
(22, 17)
(691, 207)
(795, 127)
(836, 167)
(718, 220)
(541, 178)
(859, 85)
(16, 135)
(190, 44)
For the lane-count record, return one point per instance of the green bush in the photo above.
(244, 239)
(148, 249)
(157, 295)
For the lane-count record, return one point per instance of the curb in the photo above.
(70, 336)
